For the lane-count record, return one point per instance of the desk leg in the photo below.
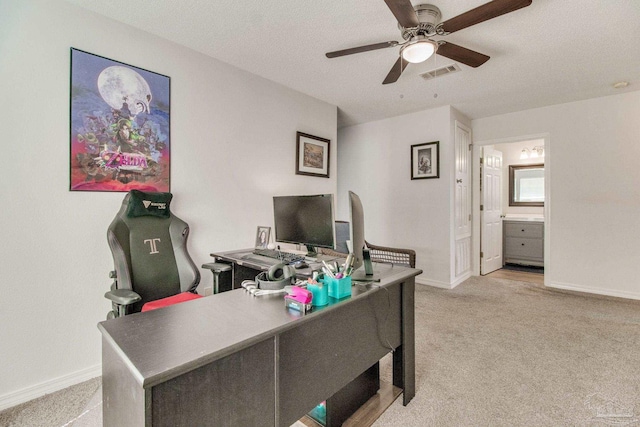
(124, 400)
(242, 273)
(404, 357)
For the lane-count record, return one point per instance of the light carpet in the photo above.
(495, 352)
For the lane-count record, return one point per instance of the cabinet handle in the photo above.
(522, 231)
(458, 181)
(522, 244)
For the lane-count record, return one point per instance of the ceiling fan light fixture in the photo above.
(418, 50)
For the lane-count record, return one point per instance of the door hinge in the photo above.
(481, 160)
(469, 217)
(481, 207)
(469, 147)
(481, 254)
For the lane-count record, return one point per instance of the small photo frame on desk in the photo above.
(262, 237)
(312, 155)
(425, 160)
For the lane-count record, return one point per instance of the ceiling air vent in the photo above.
(439, 72)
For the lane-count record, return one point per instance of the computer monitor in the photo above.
(343, 235)
(360, 255)
(305, 220)
(357, 228)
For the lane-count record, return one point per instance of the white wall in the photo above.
(375, 162)
(594, 195)
(232, 148)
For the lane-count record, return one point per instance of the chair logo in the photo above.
(153, 245)
(158, 205)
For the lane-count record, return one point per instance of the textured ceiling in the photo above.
(551, 52)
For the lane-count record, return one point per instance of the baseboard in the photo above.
(461, 279)
(434, 283)
(597, 291)
(56, 384)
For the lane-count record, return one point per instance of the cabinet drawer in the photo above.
(524, 229)
(516, 247)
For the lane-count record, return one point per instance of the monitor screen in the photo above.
(305, 220)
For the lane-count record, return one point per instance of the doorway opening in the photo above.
(511, 234)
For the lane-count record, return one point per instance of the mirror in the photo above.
(526, 185)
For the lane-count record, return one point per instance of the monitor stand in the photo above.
(360, 275)
(311, 252)
(365, 274)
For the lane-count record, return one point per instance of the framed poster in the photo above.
(425, 160)
(312, 155)
(119, 126)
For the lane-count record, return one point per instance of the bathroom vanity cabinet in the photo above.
(523, 242)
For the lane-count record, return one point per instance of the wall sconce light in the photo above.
(533, 153)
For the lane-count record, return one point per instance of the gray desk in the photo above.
(236, 360)
(246, 265)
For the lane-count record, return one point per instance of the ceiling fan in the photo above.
(418, 24)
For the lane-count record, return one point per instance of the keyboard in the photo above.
(286, 257)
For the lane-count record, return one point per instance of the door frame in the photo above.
(475, 227)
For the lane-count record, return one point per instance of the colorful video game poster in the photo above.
(119, 126)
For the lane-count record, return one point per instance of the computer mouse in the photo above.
(301, 264)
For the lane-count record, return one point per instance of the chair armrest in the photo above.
(217, 267)
(392, 255)
(122, 296)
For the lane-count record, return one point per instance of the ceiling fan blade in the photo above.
(483, 13)
(404, 12)
(396, 71)
(361, 49)
(462, 54)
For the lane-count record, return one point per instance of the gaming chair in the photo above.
(149, 246)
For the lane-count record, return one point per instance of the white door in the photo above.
(462, 205)
(491, 211)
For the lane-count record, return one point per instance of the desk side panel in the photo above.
(124, 401)
(404, 358)
(237, 390)
(321, 356)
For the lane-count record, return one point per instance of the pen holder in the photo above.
(320, 293)
(338, 288)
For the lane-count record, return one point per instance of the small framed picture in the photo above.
(262, 237)
(312, 155)
(425, 160)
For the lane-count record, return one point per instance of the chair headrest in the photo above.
(141, 203)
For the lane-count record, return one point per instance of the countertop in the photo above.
(531, 218)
